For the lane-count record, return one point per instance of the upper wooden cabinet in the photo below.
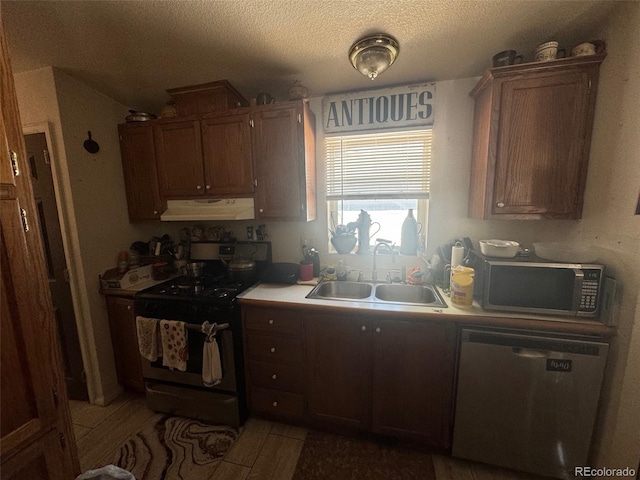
(226, 144)
(179, 158)
(284, 155)
(140, 173)
(207, 157)
(531, 140)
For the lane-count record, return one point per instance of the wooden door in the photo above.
(33, 397)
(140, 172)
(226, 145)
(124, 338)
(542, 152)
(413, 374)
(58, 275)
(179, 158)
(279, 161)
(339, 369)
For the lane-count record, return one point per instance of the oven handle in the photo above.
(198, 328)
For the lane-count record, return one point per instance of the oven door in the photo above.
(193, 374)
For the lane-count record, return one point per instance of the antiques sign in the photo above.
(405, 106)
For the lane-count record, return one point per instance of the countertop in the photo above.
(294, 296)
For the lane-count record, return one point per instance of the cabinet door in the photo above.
(179, 158)
(339, 369)
(124, 339)
(140, 173)
(33, 398)
(40, 461)
(542, 153)
(226, 144)
(279, 161)
(413, 372)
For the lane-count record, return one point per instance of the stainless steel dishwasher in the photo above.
(527, 401)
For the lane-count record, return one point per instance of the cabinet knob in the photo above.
(273, 350)
(208, 187)
(363, 328)
(155, 212)
(270, 322)
(274, 376)
(275, 404)
(500, 204)
(129, 307)
(377, 329)
(261, 210)
(198, 187)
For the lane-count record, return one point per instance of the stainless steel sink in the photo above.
(345, 290)
(425, 295)
(422, 294)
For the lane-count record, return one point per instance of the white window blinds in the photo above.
(379, 165)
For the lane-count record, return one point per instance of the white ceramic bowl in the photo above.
(566, 252)
(499, 248)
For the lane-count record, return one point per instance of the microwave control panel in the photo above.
(590, 290)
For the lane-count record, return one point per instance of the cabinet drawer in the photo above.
(274, 401)
(275, 321)
(273, 375)
(279, 349)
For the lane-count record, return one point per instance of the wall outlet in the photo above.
(307, 242)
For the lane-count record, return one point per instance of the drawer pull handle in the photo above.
(273, 349)
(270, 322)
(275, 404)
(274, 376)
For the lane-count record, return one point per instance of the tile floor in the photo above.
(264, 451)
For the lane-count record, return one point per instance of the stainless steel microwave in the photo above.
(533, 285)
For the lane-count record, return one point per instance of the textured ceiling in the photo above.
(134, 50)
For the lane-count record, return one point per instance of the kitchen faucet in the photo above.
(381, 242)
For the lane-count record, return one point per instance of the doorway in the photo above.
(39, 161)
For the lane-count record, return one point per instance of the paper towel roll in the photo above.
(457, 255)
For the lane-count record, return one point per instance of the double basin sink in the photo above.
(425, 295)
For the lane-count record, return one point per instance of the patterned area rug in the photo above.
(326, 456)
(175, 448)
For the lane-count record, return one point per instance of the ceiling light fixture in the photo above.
(372, 55)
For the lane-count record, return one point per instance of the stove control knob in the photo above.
(273, 349)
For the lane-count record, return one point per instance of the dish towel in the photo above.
(211, 366)
(175, 350)
(148, 338)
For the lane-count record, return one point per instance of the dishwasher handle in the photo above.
(530, 352)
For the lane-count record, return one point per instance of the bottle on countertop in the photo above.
(409, 235)
(313, 257)
(342, 271)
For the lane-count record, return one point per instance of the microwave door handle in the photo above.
(577, 289)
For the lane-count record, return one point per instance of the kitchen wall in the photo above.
(92, 202)
(609, 222)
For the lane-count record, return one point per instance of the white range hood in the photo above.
(208, 209)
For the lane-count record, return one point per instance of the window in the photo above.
(383, 173)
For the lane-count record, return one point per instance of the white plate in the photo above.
(499, 248)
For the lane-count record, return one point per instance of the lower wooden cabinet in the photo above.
(339, 369)
(381, 373)
(124, 338)
(274, 355)
(413, 373)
